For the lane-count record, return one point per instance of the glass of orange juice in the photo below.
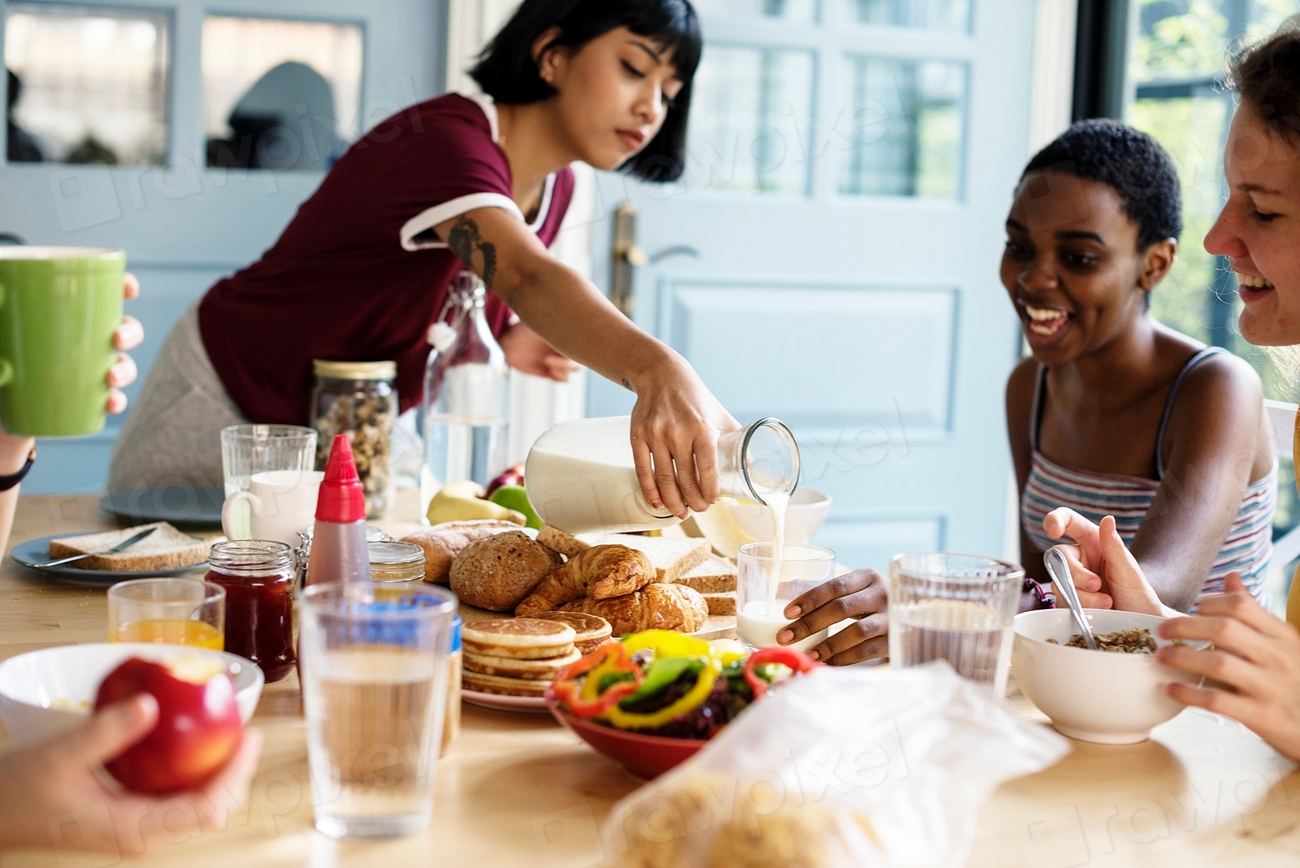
(168, 611)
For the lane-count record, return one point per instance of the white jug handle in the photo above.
(228, 514)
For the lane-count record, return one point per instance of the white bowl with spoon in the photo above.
(1106, 697)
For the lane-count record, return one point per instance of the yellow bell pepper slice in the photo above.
(688, 702)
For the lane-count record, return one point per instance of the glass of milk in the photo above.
(768, 581)
(957, 608)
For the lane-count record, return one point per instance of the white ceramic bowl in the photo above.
(1098, 696)
(803, 518)
(69, 676)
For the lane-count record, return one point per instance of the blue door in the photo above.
(188, 135)
(831, 256)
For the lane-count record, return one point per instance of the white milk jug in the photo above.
(581, 477)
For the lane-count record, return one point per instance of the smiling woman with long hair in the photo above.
(1256, 655)
(483, 182)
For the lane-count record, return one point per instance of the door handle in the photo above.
(628, 255)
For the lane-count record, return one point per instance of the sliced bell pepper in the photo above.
(663, 672)
(689, 701)
(666, 643)
(569, 693)
(610, 676)
(797, 661)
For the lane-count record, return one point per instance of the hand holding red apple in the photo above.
(197, 730)
(52, 793)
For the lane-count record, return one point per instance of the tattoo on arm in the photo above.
(464, 239)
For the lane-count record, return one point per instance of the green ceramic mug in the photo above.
(59, 307)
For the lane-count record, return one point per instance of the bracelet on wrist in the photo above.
(12, 479)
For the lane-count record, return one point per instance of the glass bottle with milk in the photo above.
(581, 476)
(466, 391)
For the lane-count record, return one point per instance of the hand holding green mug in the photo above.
(61, 333)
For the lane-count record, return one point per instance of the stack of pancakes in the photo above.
(520, 656)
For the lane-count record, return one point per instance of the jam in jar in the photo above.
(259, 579)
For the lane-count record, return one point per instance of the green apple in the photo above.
(516, 498)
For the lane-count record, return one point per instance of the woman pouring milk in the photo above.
(363, 268)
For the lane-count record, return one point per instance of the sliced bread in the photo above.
(559, 541)
(164, 549)
(722, 603)
(714, 576)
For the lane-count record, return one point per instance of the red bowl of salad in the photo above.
(651, 700)
(647, 756)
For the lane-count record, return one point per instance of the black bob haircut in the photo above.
(1129, 162)
(507, 72)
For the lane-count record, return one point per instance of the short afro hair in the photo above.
(1129, 162)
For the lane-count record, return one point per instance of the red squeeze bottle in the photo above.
(338, 543)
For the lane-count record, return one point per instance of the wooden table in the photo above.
(519, 790)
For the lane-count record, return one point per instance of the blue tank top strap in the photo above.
(1169, 404)
(1036, 410)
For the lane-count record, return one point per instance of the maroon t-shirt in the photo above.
(358, 274)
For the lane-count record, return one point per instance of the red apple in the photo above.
(198, 726)
(511, 476)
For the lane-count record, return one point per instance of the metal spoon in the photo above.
(1060, 573)
(122, 546)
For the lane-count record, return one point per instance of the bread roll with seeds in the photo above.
(497, 572)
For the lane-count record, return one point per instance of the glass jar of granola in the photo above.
(358, 399)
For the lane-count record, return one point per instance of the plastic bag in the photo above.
(841, 767)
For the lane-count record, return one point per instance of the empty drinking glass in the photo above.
(954, 607)
(373, 660)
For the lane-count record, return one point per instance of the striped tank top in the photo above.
(1093, 495)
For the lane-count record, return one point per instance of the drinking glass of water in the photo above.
(373, 660)
(766, 583)
(957, 608)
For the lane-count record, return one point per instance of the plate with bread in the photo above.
(165, 552)
(533, 606)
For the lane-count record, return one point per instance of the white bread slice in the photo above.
(716, 575)
(164, 549)
(723, 603)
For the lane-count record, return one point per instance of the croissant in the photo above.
(654, 607)
(600, 572)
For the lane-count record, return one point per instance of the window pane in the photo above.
(1181, 39)
(791, 10)
(908, 128)
(91, 84)
(930, 14)
(743, 133)
(1181, 49)
(279, 94)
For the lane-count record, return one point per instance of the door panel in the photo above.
(862, 306)
(743, 335)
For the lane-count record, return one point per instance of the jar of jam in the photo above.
(259, 579)
(396, 562)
